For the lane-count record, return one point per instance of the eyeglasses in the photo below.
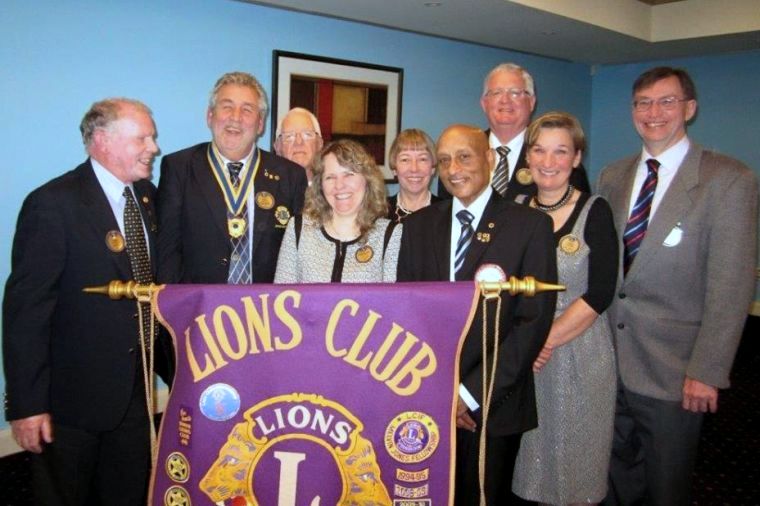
(290, 137)
(513, 93)
(666, 103)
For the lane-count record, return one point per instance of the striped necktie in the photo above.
(465, 217)
(636, 228)
(240, 258)
(501, 174)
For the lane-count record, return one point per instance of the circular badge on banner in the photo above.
(177, 496)
(219, 402)
(411, 437)
(177, 467)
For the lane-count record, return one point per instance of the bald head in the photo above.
(464, 162)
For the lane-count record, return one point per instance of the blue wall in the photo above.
(59, 57)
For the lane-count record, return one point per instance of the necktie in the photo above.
(240, 258)
(137, 249)
(501, 174)
(465, 217)
(636, 228)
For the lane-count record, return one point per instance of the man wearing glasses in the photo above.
(508, 100)
(687, 218)
(299, 139)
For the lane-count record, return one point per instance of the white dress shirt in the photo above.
(670, 160)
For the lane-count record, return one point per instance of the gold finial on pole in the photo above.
(527, 286)
(124, 289)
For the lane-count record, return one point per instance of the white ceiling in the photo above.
(586, 31)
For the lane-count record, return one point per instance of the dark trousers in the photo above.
(82, 467)
(501, 452)
(654, 449)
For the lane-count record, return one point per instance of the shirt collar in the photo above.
(476, 207)
(515, 145)
(671, 158)
(112, 185)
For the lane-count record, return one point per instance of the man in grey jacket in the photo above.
(687, 220)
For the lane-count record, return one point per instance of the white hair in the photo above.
(511, 67)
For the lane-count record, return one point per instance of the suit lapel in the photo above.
(209, 188)
(620, 196)
(441, 228)
(99, 216)
(264, 181)
(673, 206)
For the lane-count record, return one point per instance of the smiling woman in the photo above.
(343, 235)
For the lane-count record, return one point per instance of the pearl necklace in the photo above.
(547, 208)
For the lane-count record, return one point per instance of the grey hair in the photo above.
(511, 67)
(312, 118)
(241, 79)
(104, 112)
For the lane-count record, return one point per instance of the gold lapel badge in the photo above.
(265, 200)
(236, 227)
(483, 237)
(145, 200)
(282, 215)
(364, 254)
(115, 241)
(523, 176)
(570, 244)
(491, 224)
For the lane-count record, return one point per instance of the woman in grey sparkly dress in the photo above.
(565, 459)
(343, 235)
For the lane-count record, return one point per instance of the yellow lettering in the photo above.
(198, 374)
(258, 326)
(208, 338)
(415, 373)
(356, 348)
(288, 320)
(221, 332)
(332, 323)
(394, 362)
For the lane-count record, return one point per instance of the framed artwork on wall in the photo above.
(354, 100)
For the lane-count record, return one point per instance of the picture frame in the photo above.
(356, 100)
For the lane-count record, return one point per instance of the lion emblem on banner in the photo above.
(300, 417)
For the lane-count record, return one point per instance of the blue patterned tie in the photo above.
(240, 258)
(636, 228)
(501, 174)
(465, 217)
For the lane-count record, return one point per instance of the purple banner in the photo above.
(290, 395)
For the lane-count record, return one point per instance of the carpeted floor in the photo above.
(728, 469)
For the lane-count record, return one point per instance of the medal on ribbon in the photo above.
(235, 198)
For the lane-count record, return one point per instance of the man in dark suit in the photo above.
(75, 391)
(518, 240)
(223, 206)
(508, 100)
(687, 220)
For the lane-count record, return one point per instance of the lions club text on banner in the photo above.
(311, 394)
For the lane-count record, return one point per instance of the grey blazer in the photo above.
(681, 308)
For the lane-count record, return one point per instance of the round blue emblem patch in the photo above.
(219, 402)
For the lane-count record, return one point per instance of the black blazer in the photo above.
(521, 243)
(67, 353)
(578, 178)
(194, 245)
